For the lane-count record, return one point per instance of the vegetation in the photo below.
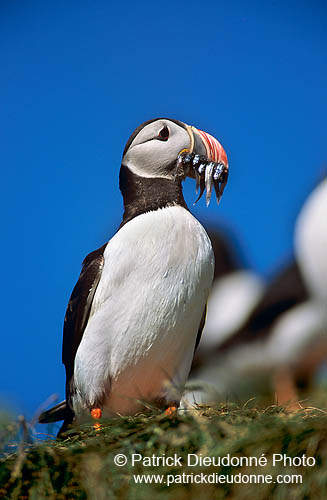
(82, 466)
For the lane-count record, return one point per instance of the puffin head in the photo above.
(171, 149)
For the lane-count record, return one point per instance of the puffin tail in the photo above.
(59, 412)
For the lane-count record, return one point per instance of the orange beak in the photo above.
(214, 150)
(206, 161)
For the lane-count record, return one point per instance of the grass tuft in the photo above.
(82, 466)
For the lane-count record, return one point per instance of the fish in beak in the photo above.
(206, 162)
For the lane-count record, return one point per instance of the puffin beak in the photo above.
(205, 161)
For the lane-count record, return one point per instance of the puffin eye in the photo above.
(164, 134)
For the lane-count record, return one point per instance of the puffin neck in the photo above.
(142, 194)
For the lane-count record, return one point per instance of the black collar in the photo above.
(143, 194)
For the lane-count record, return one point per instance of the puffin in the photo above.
(137, 311)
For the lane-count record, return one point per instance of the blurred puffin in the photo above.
(286, 332)
(236, 291)
(136, 314)
(302, 331)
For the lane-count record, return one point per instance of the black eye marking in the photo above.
(163, 134)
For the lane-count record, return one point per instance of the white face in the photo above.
(154, 150)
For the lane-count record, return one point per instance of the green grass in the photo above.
(83, 465)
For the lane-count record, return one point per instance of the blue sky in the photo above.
(78, 76)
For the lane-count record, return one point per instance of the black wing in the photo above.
(201, 326)
(196, 358)
(78, 312)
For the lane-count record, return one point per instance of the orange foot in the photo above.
(171, 410)
(96, 414)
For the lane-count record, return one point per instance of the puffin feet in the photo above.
(170, 411)
(96, 414)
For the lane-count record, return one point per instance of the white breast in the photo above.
(146, 311)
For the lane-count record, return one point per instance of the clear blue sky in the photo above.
(78, 76)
